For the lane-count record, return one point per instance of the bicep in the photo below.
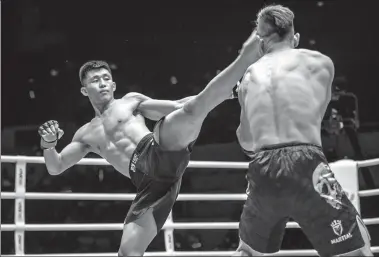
(72, 154)
(155, 109)
(153, 104)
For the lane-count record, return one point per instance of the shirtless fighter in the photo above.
(154, 161)
(283, 98)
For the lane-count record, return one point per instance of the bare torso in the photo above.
(283, 99)
(116, 133)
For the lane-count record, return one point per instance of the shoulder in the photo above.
(79, 134)
(316, 55)
(135, 95)
(318, 58)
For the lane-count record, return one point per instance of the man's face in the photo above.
(98, 85)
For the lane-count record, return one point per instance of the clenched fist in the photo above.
(50, 134)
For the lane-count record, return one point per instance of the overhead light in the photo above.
(173, 80)
(31, 94)
(54, 72)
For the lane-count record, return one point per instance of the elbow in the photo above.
(53, 162)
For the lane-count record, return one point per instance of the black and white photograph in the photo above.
(189, 128)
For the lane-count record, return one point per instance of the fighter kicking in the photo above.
(154, 161)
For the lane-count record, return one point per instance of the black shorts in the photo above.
(294, 181)
(157, 174)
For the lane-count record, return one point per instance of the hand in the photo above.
(251, 48)
(50, 133)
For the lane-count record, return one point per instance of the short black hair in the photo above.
(279, 18)
(92, 65)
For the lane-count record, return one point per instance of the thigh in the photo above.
(138, 234)
(327, 216)
(178, 129)
(262, 223)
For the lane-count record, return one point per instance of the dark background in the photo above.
(153, 40)
(149, 45)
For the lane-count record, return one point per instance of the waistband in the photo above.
(281, 145)
(138, 151)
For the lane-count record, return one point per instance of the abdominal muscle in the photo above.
(118, 146)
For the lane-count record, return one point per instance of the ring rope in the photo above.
(374, 249)
(119, 226)
(20, 196)
(130, 197)
(192, 164)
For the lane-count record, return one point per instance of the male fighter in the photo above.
(283, 98)
(154, 161)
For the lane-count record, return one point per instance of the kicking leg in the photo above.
(182, 126)
(178, 130)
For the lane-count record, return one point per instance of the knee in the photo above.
(192, 109)
(189, 107)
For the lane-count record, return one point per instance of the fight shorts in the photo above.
(294, 181)
(157, 174)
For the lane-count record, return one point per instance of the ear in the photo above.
(261, 47)
(296, 39)
(84, 91)
(114, 86)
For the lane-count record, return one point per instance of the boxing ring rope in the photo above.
(20, 196)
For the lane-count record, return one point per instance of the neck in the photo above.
(278, 47)
(100, 108)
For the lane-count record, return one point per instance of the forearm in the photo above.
(52, 161)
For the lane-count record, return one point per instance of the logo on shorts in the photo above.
(337, 227)
(338, 230)
(327, 186)
(134, 162)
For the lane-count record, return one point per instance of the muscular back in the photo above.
(283, 98)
